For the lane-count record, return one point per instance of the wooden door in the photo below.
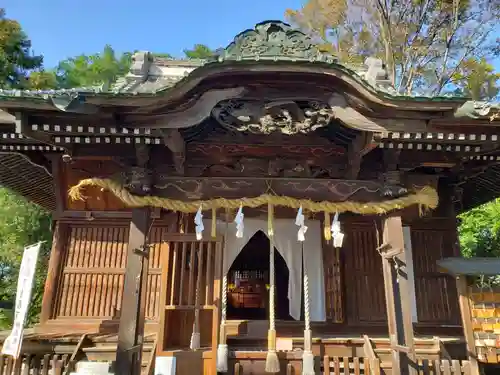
(436, 292)
(364, 281)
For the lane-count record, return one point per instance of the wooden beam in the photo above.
(131, 329)
(52, 281)
(397, 294)
(465, 313)
(191, 188)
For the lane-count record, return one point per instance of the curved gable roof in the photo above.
(270, 47)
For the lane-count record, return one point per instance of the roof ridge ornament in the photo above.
(275, 41)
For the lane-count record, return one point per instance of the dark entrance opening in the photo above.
(248, 282)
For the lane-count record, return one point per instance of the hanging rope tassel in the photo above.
(326, 227)
(222, 349)
(195, 336)
(307, 357)
(272, 361)
(214, 223)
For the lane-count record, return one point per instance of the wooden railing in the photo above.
(191, 280)
(34, 364)
(188, 260)
(366, 366)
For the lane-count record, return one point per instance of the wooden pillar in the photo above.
(397, 296)
(52, 281)
(131, 329)
(465, 312)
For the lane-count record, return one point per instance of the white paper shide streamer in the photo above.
(239, 222)
(337, 235)
(198, 220)
(299, 221)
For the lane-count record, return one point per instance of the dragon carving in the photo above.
(287, 116)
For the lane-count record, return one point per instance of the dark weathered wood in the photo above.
(130, 335)
(355, 152)
(189, 188)
(465, 312)
(398, 301)
(54, 272)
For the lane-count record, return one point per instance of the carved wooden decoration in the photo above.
(287, 116)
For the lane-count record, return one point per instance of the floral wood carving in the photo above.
(273, 40)
(288, 117)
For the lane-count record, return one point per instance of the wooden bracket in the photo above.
(359, 147)
(173, 139)
(142, 153)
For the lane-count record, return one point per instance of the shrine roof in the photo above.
(269, 68)
(271, 47)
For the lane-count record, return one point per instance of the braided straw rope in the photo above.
(222, 348)
(195, 336)
(426, 198)
(307, 314)
(272, 286)
(272, 361)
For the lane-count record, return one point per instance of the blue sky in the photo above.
(65, 28)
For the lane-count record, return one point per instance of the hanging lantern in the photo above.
(337, 235)
(239, 222)
(198, 220)
(299, 221)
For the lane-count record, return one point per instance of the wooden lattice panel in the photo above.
(91, 283)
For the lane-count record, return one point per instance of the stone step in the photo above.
(92, 368)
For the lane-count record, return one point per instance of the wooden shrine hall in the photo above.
(268, 210)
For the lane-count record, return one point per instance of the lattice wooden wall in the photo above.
(91, 283)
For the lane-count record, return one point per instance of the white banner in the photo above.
(12, 344)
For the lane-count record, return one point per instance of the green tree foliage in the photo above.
(16, 58)
(477, 79)
(479, 233)
(480, 230)
(427, 45)
(21, 223)
(98, 69)
(199, 51)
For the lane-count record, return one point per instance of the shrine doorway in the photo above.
(248, 282)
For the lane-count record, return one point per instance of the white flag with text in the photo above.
(12, 344)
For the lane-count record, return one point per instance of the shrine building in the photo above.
(268, 210)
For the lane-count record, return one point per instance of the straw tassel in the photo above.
(214, 223)
(195, 336)
(222, 349)
(272, 361)
(326, 227)
(307, 357)
(270, 218)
